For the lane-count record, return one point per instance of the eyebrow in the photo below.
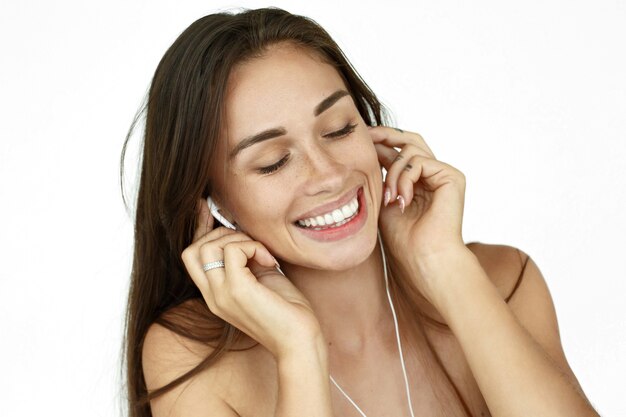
(279, 131)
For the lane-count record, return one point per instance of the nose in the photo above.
(325, 172)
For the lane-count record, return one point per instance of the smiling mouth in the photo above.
(332, 219)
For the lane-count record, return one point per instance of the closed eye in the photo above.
(348, 129)
(274, 167)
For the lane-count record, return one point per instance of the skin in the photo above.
(269, 92)
(331, 313)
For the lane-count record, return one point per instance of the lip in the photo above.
(345, 230)
(329, 207)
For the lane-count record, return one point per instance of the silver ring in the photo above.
(213, 265)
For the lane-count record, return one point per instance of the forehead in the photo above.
(280, 88)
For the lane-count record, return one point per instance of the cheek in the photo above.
(264, 217)
(262, 205)
(366, 160)
(363, 154)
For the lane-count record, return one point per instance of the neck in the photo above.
(351, 305)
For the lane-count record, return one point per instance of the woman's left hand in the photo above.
(423, 198)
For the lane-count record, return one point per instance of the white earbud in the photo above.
(216, 213)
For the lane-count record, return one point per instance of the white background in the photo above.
(528, 99)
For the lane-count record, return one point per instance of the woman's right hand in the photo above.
(249, 292)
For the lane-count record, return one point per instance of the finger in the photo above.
(214, 234)
(204, 220)
(434, 174)
(394, 137)
(214, 250)
(194, 265)
(409, 176)
(398, 166)
(386, 155)
(203, 252)
(238, 254)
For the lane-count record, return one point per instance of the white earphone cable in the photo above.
(347, 396)
(395, 322)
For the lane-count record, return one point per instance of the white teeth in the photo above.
(334, 218)
(337, 215)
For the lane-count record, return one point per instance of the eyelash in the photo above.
(348, 129)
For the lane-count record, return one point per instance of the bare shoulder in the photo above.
(522, 285)
(505, 265)
(166, 356)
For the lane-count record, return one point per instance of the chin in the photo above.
(343, 255)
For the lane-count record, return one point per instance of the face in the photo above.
(300, 172)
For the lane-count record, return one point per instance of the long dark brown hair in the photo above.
(184, 112)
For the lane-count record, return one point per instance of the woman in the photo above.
(382, 308)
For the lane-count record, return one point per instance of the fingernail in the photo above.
(276, 263)
(387, 197)
(401, 202)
